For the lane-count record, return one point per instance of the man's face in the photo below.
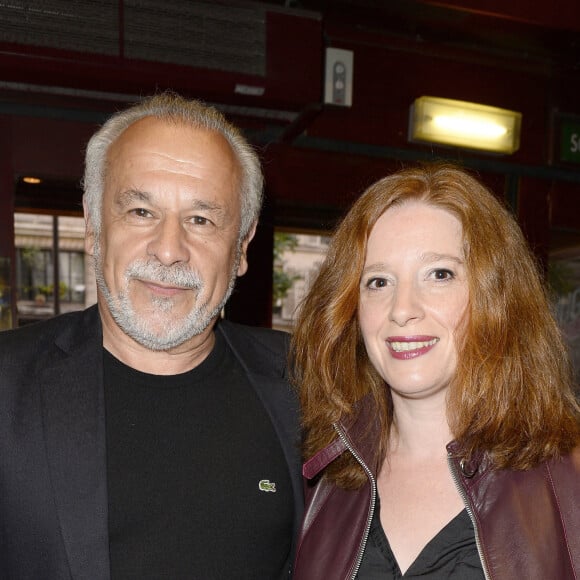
(168, 253)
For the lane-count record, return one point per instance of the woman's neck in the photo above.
(420, 427)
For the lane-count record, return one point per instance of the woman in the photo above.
(441, 428)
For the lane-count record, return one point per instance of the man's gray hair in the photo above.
(172, 108)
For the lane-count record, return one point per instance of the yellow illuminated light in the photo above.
(478, 128)
(32, 180)
(464, 124)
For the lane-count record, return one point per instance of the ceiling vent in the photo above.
(196, 34)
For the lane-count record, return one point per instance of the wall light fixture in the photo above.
(465, 124)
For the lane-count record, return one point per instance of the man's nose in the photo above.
(168, 244)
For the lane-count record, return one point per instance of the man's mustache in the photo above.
(177, 275)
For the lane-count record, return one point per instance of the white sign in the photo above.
(338, 77)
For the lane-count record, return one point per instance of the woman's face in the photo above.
(413, 295)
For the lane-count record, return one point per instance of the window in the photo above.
(297, 259)
(37, 236)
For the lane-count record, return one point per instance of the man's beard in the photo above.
(158, 332)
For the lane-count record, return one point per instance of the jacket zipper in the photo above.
(373, 498)
(469, 511)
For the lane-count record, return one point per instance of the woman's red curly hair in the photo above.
(512, 395)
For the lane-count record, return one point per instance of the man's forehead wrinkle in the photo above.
(166, 157)
(128, 148)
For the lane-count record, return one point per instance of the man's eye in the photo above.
(141, 212)
(200, 220)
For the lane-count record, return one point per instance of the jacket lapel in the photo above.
(74, 425)
(265, 366)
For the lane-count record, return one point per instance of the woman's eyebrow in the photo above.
(376, 267)
(428, 257)
(431, 257)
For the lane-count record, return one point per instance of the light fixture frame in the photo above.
(464, 119)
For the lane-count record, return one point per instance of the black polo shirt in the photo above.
(198, 485)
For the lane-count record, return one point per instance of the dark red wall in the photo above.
(316, 167)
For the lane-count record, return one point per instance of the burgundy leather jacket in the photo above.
(527, 523)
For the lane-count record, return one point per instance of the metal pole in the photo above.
(55, 265)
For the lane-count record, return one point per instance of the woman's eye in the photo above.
(375, 283)
(443, 274)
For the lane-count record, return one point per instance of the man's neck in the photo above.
(177, 360)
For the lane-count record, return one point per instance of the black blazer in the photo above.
(53, 480)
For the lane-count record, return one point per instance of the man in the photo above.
(144, 438)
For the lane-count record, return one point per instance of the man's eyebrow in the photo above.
(202, 204)
(217, 212)
(130, 196)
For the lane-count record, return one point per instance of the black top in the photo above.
(198, 486)
(450, 555)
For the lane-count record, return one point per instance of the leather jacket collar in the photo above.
(361, 430)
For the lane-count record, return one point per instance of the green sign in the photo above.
(570, 141)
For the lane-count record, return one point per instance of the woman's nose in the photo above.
(406, 304)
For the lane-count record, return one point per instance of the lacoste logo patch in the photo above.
(266, 485)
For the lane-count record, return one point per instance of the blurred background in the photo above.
(331, 93)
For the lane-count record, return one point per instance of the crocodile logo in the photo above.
(266, 485)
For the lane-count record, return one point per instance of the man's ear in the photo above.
(243, 266)
(89, 231)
